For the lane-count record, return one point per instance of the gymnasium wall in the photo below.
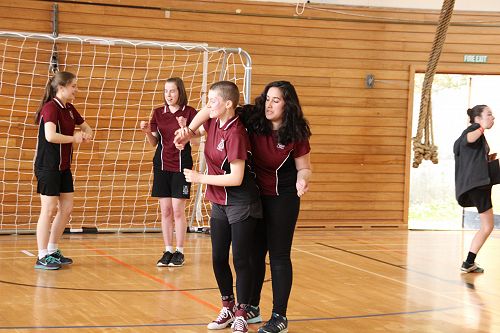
(361, 141)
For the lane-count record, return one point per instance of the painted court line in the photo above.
(156, 279)
(458, 300)
(370, 315)
(28, 253)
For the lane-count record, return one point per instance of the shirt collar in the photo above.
(166, 108)
(229, 123)
(59, 103)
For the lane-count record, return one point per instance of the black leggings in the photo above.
(275, 233)
(240, 234)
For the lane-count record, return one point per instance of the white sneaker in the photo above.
(239, 325)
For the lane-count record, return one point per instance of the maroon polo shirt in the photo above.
(164, 122)
(274, 163)
(56, 156)
(223, 146)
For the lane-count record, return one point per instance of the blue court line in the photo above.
(113, 290)
(204, 324)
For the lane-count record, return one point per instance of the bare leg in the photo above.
(62, 217)
(484, 231)
(49, 206)
(167, 226)
(179, 206)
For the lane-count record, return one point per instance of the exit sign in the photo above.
(477, 58)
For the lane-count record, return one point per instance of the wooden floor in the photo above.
(345, 281)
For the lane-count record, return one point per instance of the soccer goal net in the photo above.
(120, 82)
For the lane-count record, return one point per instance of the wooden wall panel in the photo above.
(360, 136)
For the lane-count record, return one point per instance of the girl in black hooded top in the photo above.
(475, 173)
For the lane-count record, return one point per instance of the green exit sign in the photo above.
(477, 58)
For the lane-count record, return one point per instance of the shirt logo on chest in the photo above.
(280, 146)
(220, 146)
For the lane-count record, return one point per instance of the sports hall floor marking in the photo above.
(109, 290)
(135, 269)
(454, 282)
(461, 301)
(28, 253)
(154, 278)
(388, 314)
(405, 267)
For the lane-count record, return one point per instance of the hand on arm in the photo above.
(303, 165)
(235, 178)
(87, 133)
(182, 136)
(195, 128)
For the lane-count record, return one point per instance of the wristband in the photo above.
(189, 128)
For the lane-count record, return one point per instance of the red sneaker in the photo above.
(225, 317)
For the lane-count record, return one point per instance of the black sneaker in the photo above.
(48, 262)
(62, 259)
(471, 268)
(165, 259)
(177, 259)
(253, 314)
(277, 324)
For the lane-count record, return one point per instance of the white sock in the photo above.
(180, 249)
(42, 253)
(169, 249)
(52, 247)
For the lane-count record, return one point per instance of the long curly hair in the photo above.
(294, 127)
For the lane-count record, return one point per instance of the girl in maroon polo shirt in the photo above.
(235, 201)
(279, 136)
(169, 184)
(56, 118)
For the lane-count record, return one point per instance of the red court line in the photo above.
(154, 278)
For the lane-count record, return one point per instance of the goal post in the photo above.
(120, 82)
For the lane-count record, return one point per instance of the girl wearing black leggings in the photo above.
(279, 136)
(234, 195)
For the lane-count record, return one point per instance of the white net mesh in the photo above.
(120, 82)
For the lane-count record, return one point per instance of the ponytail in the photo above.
(47, 96)
(59, 79)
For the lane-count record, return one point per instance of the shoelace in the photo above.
(239, 325)
(223, 314)
(52, 260)
(276, 322)
(177, 257)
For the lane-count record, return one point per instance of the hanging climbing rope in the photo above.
(426, 150)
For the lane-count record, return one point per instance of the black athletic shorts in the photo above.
(54, 182)
(167, 184)
(481, 198)
(236, 213)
